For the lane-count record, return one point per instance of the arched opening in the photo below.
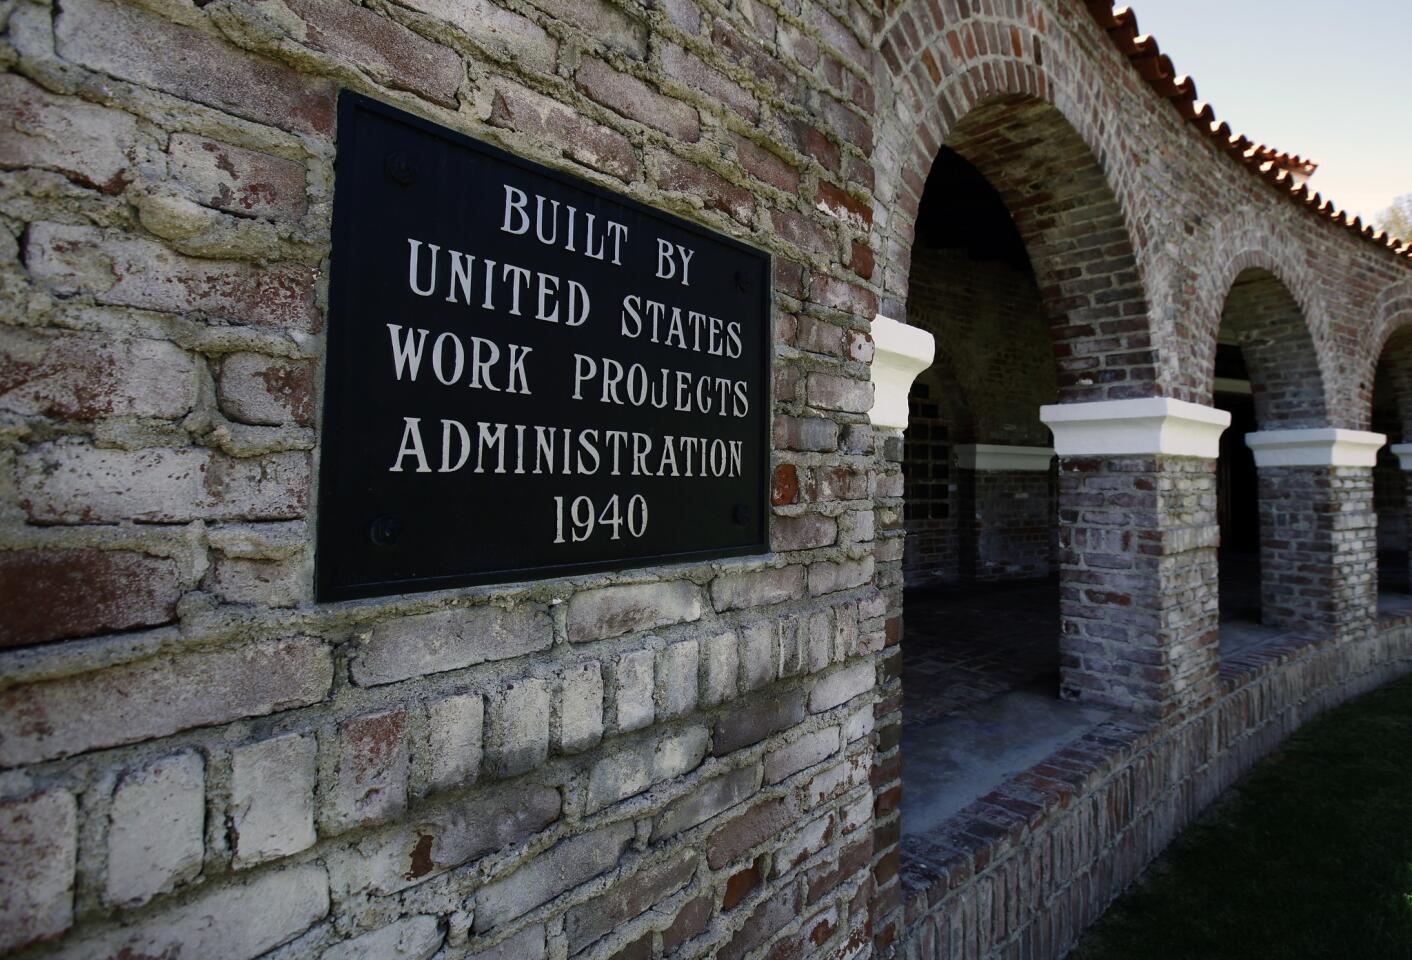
(1392, 405)
(1022, 271)
(1267, 376)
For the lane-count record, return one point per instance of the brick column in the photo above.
(1137, 550)
(1318, 529)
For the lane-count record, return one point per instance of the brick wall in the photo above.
(686, 761)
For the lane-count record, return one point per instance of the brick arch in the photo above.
(1389, 365)
(1252, 276)
(1007, 93)
(1285, 366)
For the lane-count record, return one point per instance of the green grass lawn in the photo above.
(1310, 855)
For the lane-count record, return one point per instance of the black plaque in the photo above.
(528, 375)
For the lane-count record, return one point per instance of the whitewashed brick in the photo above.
(370, 783)
(517, 726)
(233, 922)
(455, 726)
(613, 611)
(808, 750)
(73, 483)
(562, 867)
(627, 771)
(39, 847)
(578, 709)
(720, 668)
(156, 829)
(842, 685)
(83, 141)
(757, 588)
(529, 944)
(442, 836)
(632, 689)
(272, 798)
(411, 938)
(153, 698)
(677, 682)
(828, 577)
(757, 655)
(449, 640)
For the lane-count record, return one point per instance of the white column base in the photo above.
(900, 353)
(1317, 447)
(1149, 426)
(995, 456)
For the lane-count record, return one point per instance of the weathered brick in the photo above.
(132, 272)
(841, 686)
(529, 944)
(840, 393)
(89, 144)
(708, 799)
(267, 583)
(613, 611)
(808, 750)
(371, 776)
(517, 726)
(628, 899)
(502, 32)
(449, 640)
(81, 377)
(254, 388)
(764, 165)
(757, 588)
(692, 72)
(809, 840)
(57, 594)
(633, 688)
(627, 771)
(762, 717)
(133, 44)
(455, 728)
(272, 798)
(810, 434)
(154, 698)
(603, 22)
(633, 98)
(563, 867)
(442, 836)
(770, 915)
(758, 663)
(677, 683)
(156, 832)
(237, 180)
(763, 821)
(828, 577)
(411, 938)
(804, 532)
(720, 668)
(384, 48)
(578, 708)
(39, 846)
(676, 173)
(689, 922)
(231, 922)
(549, 121)
(69, 483)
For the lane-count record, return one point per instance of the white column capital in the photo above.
(1147, 426)
(900, 352)
(996, 456)
(1317, 447)
(1404, 454)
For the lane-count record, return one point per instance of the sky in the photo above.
(1326, 79)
